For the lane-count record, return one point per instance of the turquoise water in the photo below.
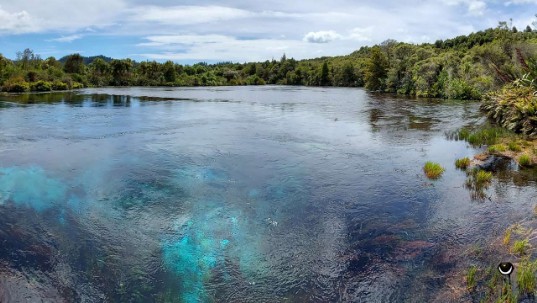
(247, 194)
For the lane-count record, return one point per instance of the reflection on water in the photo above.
(247, 194)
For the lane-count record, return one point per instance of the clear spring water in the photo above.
(246, 194)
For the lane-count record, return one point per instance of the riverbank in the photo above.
(500, 145)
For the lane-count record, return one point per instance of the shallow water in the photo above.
(237, 194)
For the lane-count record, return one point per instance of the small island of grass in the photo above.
(433, 170)
(462, 163)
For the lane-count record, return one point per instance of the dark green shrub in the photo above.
(77, 85)
(514, 108)
(41, 86)
(59, 85)
(16, 85)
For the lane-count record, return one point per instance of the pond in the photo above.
(239, 194)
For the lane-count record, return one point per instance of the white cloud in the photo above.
(356, 34)
(24, 16)
(69, 38)
(17, 22)
(520, 2)
(361, 34)
(182, 15)
(224, 48)
(477, 8)
(321, 37)
(474, 7)
(184, 40)
(251, 30)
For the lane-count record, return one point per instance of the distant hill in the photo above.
(88, 60)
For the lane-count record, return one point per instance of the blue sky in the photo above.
(239, 30)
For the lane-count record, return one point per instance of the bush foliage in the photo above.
(465, 67)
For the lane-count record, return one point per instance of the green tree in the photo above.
(169, 72)
(376, 70)
(324, 77)
(74, 64)
(122, 72)
(99, 72)
(27, 59)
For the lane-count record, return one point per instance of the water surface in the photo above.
(246, 194)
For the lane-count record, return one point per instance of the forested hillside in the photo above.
(465, 67)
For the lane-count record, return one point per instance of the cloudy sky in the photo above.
(239, 30)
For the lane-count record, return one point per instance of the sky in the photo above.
(239, 30)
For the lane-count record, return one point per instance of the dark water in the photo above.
(248, 194)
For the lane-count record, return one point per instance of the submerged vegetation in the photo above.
(520, 247)
(526, 276)
(433, 170)
(503, 289)
(471, 281)
(478, 178)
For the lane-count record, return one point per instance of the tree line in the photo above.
(465, 67)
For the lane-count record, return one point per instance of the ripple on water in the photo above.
(294, 195)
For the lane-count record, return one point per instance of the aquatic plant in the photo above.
(478, 178)
(212, 236)
(520, 247)
(483, 136)
(507, 294)
(462, 163)
(471, 281)
(524, 160)
(483, 177)
(507, 237)
(433, 170)
(526, 276)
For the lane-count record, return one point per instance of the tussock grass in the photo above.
(483, 177)
(433, 170)
(497, 148)
(524, 160)
(471, 281)
(507, 237)
(462, 163)
(477, 181)
(521, 247)
(513, 146)
(526, 277)
(484, 136)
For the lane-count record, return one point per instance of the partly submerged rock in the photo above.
(489, 162)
